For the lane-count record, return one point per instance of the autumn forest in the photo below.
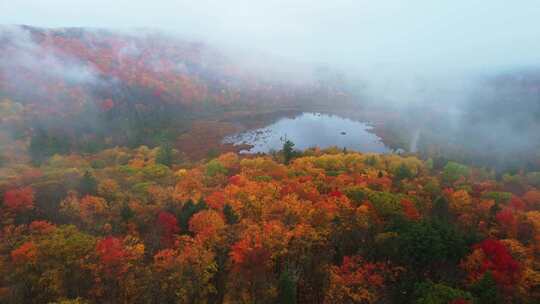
(116, 185)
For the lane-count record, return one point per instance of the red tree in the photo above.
(41, 227)
(498, 260)
(111, 255)
(507, 220)
(168, 226)
(26, 253)
(409, 210)
(19, 200)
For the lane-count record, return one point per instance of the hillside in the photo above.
(116, 185)
(136, 226)
(75, 89)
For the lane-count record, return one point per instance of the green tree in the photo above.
(165, 155)
(486, 291)
(403, 172)
(230, 215)
(187, 211)
(214, 167)
(440, 208)
(44, 145)
(370, 161)
(431, 293)
(88, 184)
(126, 213)
(387, 204)
(288, 151)
(286, 288)
(426, 243)
(453, 171)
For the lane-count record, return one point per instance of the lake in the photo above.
(309, 130)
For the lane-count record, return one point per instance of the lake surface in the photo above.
(310, 130)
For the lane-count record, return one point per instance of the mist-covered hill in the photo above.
(496, 122)
(84, 89)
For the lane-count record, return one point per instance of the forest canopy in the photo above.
(317, 227)
(119, 184)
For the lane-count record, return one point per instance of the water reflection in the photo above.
(309, 130)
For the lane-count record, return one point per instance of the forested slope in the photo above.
(136, 226)
(83, 90)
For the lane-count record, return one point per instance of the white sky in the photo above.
(422, 34)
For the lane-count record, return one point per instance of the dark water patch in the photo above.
(309, 130)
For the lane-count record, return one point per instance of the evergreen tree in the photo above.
(429, 243)
(431, 293)
(44, 145)
(87, 184)
(403, 172)
(188, 210)
(288, 151)
(286, 288)
(165, 155)
(370, 161)
(486, 291)
(230, 215)
(126, 213)
(440, 209)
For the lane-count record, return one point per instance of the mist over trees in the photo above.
(118, 183)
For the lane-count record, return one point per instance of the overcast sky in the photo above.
(414, 33)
